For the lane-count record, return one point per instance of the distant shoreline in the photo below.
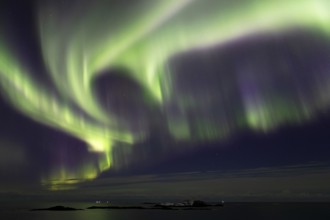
(154, 207)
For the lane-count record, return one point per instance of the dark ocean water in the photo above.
(255, 211)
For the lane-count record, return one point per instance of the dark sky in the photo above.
(245, 120)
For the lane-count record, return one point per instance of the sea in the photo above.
(254, 211)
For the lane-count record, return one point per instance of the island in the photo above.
(56, 208)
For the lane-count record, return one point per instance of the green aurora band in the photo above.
(79, 41)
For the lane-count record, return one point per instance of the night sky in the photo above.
(174, 99)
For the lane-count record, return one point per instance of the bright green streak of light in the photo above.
(36, 102)
(87, 52)
(216, 26)
(79, 42)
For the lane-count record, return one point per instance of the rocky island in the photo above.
(57, 208)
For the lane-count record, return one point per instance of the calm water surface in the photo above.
(255, 211)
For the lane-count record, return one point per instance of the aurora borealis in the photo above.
(184, 72)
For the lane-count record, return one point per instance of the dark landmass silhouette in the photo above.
(186, 205)
(57, 208)
(148, 208)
